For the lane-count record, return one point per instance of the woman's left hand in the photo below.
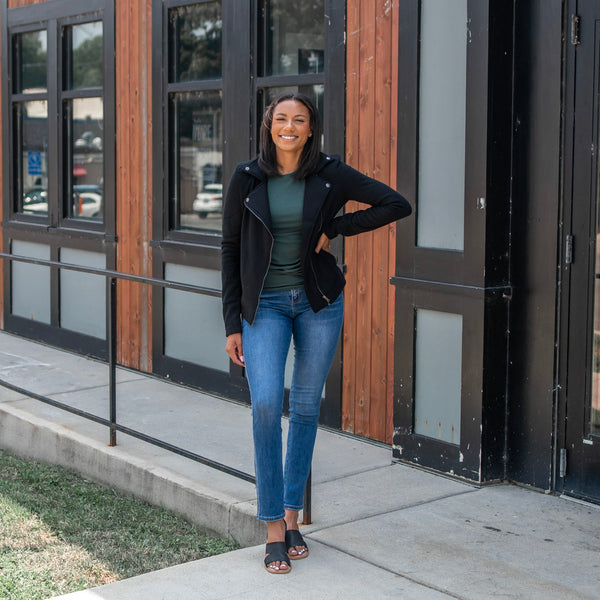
(323, 244)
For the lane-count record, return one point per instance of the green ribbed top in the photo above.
(286, 201)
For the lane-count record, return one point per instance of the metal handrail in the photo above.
(111, 281)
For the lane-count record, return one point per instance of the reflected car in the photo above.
(35, 202)
(209, 200)
(88, 199)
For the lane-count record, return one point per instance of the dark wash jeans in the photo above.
(282, 316)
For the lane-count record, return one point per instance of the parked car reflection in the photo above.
(87, 202)
(209, 200)
(35, 202)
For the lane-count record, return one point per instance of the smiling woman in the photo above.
(290, 130)
(281, 211)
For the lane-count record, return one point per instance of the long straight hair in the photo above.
(309, 158)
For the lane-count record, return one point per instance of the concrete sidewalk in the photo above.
(380, 530)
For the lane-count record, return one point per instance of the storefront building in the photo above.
(469, 336)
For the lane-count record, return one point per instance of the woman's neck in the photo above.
(287, 164)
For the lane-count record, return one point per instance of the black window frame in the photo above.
(55, 231)
(473, 282)
(240, 85)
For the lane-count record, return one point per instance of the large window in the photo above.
(83, 119)
(58, 70)
(206, 79)
(30, 122)
(75, 141)
(221, 62)
(195, 116)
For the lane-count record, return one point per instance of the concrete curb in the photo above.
(25, 435)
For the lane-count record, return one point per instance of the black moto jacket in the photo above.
(248, 240)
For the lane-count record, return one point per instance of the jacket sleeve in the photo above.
(230, 253)
(387, 205)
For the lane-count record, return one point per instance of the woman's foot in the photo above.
(276, 558)
(296, 546)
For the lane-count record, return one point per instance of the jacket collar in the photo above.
(251, 167)
(315, 192)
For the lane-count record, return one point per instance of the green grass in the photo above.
(60, 533)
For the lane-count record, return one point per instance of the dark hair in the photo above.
(267, 157)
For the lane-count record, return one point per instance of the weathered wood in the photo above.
(350, 244)
(134, 176)
(368, 341)
(381, 171)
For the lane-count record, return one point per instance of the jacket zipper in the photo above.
(270, 255)
(313, 267)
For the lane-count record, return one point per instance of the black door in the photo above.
(579, 464)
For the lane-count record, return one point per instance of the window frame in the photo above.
(55, 232)
(474, 281)
(52, 16)
(241, 123)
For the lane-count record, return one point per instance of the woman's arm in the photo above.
(387, 205)
(230, 254)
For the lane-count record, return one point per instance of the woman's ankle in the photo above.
(275, 531)
(291, 519)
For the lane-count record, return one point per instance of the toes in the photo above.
(278, 566)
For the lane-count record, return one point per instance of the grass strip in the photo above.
(61, 533)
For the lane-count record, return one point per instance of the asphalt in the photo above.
(380, 529)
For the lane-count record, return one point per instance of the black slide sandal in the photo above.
(276, 552)
(294, 538)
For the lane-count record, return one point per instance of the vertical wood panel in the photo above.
(368, 343)
(134, 191)
(350, 244)
(364, 265)
(380, 282)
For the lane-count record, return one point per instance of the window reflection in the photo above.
(32, 141)
(30, 57)
(85, 161)
(196, 36)
(295, 37)
(197, 131)
(85, 57)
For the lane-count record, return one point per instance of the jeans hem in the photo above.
(270, 519)
(293, 507)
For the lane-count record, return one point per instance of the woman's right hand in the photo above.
(234, 349)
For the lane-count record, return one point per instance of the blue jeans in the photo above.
(281, 316)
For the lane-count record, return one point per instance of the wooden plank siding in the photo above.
(371, 101)
(134, 178)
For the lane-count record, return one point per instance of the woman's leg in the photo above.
(315, 340)
(266, 343)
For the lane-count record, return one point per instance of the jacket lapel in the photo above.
(258, 203)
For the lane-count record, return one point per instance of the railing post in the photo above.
(307, 510)
(112, 357)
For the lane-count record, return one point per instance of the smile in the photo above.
(288, 137)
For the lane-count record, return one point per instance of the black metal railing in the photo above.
(112, 424)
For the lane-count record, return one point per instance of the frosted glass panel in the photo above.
(438, 366)
(194, 329)
(442, 104)
(83, 295)
(31, 283)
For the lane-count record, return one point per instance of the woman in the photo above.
(281, 282)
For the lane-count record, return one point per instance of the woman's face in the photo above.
(290, 128)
